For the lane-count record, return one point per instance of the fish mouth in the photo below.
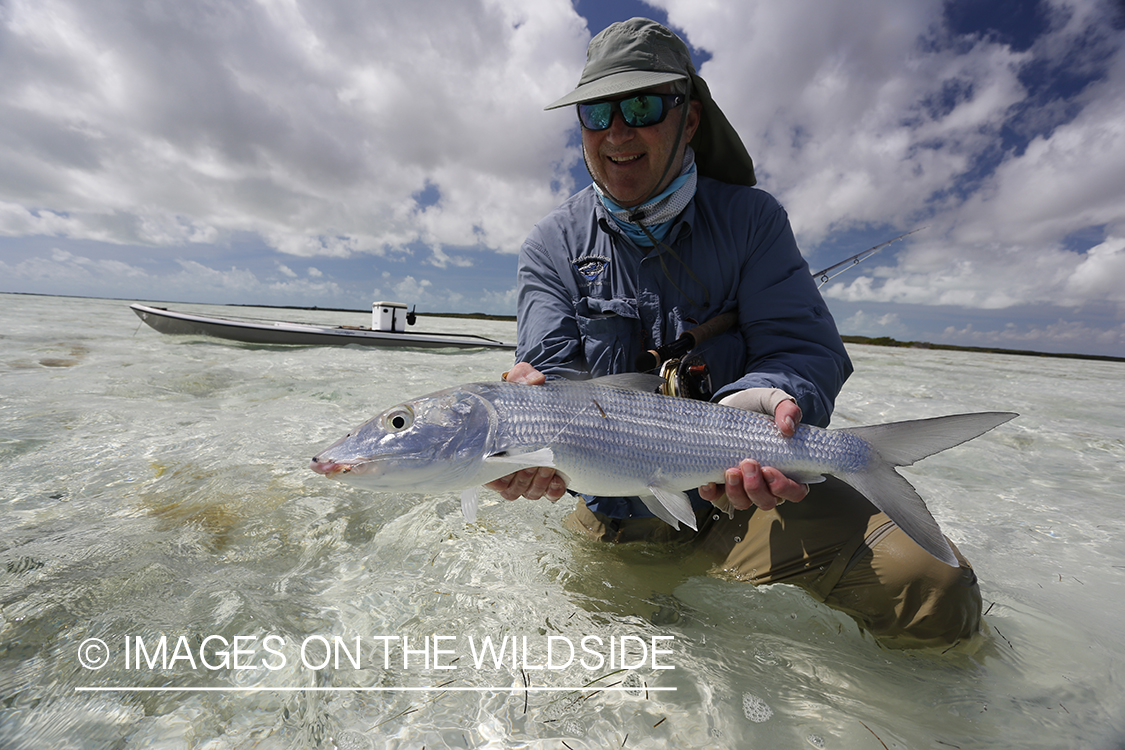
(329, 468)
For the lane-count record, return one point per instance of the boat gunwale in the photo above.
(357, 334)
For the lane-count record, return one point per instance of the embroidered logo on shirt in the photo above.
(591, 266)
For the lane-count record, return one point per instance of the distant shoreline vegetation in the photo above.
(878, 341)
(888, 341)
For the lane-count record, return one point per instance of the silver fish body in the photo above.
(615, 437)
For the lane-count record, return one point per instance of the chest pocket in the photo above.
(611, 334)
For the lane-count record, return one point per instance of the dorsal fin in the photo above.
(630, 381)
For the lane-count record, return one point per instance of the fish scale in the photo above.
(616, 437)
(617, 428)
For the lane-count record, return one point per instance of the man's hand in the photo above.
(530, 483)
(750, 483)
(536, 482)
(524, 373)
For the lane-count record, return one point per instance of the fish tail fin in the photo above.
(891, 493)
(901, 444)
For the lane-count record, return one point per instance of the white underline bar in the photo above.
(429, 689)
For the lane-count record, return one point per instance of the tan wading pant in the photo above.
(837, 546)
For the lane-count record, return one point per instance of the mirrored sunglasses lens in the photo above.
(596, 116)
(642, 110)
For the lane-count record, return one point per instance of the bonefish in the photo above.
(614, 436)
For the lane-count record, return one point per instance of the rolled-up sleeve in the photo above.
(547, 335)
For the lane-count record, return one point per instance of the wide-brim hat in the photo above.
(640, 54)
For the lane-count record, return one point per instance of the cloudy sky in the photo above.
(299, 152)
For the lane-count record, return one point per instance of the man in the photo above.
(670, 235)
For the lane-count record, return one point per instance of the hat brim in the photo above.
(616, 84)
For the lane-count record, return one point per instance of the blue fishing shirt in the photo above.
(590, 300)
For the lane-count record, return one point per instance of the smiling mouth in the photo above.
(624, 159)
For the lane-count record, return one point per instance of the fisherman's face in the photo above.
(628, 162)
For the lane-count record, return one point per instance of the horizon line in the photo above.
(398, 689)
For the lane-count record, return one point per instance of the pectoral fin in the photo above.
(631, 381)
(541, 457)
(469, 501)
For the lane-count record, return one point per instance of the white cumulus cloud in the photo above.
(312, 124)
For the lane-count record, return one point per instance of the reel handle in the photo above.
(688, 340)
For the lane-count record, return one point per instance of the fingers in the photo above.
(524, 373)
(501, 484)
(751, 484)
(787, 415)
(782, 487)
(530, 483)
(711, 492)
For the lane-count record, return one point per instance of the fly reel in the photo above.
(686, 377)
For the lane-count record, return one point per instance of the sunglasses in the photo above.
(638, 111)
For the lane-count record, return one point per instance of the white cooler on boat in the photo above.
(388, 316)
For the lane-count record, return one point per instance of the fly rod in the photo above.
(650, 360)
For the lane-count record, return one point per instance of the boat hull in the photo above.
(302, 334)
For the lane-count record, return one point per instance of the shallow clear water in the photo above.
(157, 486)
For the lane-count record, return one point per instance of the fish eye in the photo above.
(398, 419)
